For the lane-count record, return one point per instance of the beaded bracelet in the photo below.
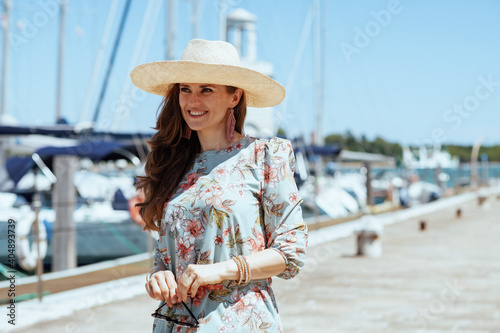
(243, 270)
(240, 269)
(247, 270)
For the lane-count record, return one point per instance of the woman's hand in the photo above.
(162, 284)
(196, 276)
(162, 287)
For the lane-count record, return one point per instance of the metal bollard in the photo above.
(423, 225)
(368, 237)
(482, 200)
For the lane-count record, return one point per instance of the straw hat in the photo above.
(213, 62)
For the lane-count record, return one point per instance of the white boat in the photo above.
(429, 158)
(104, 228)
(102, 232)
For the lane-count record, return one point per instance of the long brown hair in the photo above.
(171, 156)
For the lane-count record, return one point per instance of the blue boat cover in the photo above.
(319, 150)
(17, 167)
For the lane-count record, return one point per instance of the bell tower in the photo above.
(241, 31)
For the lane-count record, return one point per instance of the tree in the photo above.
(351, 143)
(365, 144)
(281, 133)
(337, 139)
(378, 146)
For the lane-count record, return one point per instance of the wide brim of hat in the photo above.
(156, 77)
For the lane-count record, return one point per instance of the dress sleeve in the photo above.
(158, 263)
(286, 231)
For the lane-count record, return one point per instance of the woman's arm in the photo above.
(262, 265)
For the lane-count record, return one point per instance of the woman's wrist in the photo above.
(229, 270)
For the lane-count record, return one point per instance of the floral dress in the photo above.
(238, 201)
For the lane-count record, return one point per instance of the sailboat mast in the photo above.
(111, 61)
(6, 33)
(223, 20)
(322, 41)
(99, 58)
(319, 69)
(171, 28)
(60, 62)
(195, 18)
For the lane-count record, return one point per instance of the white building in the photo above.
(241, 32)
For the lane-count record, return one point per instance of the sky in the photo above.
(413, 72)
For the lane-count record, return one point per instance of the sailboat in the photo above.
(99, 216)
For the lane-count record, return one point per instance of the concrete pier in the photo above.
(445, 278)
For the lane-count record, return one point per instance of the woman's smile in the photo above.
(205, 106)
(197, 113)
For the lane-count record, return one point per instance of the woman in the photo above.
(225, 205)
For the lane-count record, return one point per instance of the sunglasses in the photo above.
(158, 315)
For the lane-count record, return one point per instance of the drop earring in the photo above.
(186, 132)
(231, 121)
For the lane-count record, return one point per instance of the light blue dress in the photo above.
(234, 202)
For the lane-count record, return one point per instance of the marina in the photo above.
(441, 279)
(77, 180)
(402, 238)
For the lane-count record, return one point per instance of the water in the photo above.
(461, 176)
(458, 176)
